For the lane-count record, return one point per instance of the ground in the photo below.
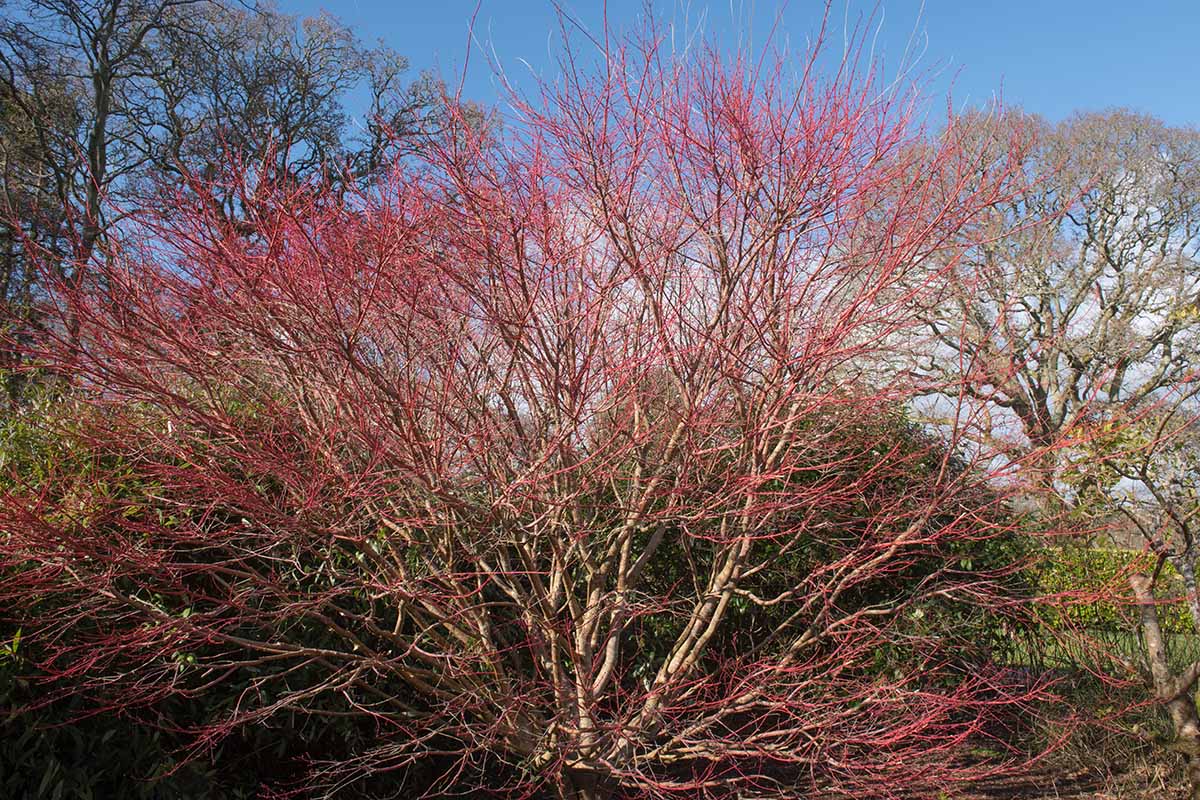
(1144, 782)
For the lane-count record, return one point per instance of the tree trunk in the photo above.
(1179, 700)
(580, 784)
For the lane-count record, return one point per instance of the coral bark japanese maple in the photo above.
(560, 455)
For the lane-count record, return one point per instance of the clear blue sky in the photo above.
(1049, 56)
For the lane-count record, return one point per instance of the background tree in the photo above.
(1074, 317)
(29, 212)
(92, 55)
(116, 97)
(266, 90)
(1084, 290)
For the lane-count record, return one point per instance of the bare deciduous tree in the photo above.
(124, 95)
(1077, 318)
(548, 461)
(1085, 291)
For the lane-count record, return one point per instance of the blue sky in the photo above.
(1051, 57)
